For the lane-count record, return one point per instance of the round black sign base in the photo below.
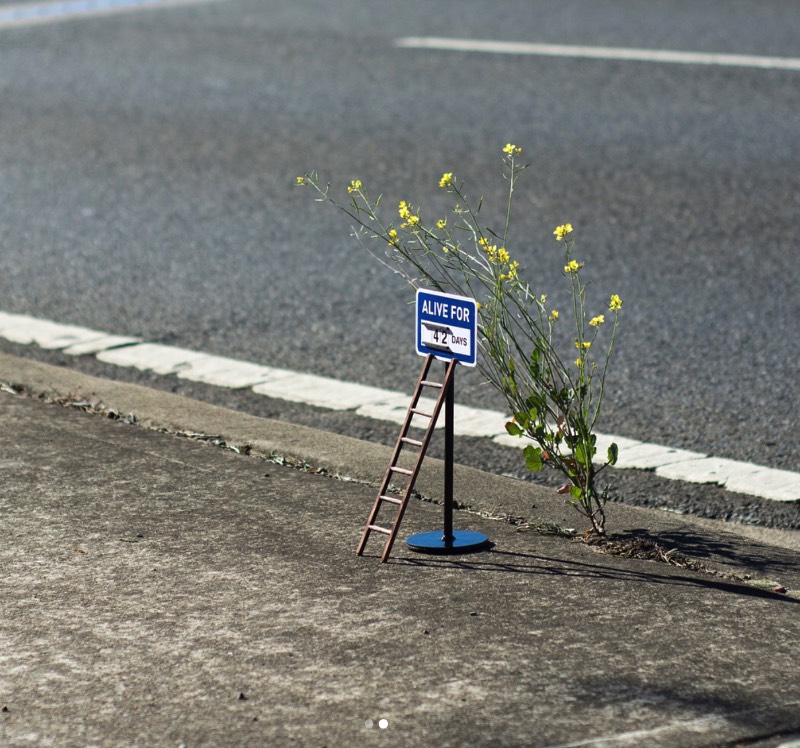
(463, 541)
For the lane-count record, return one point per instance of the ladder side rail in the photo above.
(387, 478)
(408, 419)
(426, 367)
(418, 464)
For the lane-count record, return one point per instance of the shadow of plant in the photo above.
(686, 706)
(496, 561)
(759, 558)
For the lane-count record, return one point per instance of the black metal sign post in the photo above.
(447, 329)
(448, 540)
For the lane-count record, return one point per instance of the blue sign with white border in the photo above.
(447, 326)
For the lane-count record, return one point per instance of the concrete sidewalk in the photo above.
(158, 591)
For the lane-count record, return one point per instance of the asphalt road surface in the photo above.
(148, 161)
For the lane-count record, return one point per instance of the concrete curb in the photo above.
(346, 457)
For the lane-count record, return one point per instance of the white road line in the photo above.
(372, 402)
(323, 392)
(29, 14)
(53, 335)
(598, 53)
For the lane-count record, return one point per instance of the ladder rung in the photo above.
(422, 445)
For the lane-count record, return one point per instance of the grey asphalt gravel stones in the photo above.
(159, 591)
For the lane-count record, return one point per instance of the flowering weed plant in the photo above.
(554, 392)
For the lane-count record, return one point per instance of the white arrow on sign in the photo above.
(446, 338)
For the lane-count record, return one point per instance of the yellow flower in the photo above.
(512, 150)
(583, 346)
(554, 315)
(573, 267)
(597, 321)
(615, 303)
(502, 254)
(355, 185)
(512, 272)
(404, 209)
(579, 363)
(543, 298)
(562, 231)
(301, 180)
(392, 237)
(441, 223)
(447, 179)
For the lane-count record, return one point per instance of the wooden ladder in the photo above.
(394, 471)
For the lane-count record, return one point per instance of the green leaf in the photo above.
(522, 419)
(613, 454)
(514, 429)
(575, 492)
(535, 364)
(533, 458)
(584, 452)
(535, 402)
(564, 398)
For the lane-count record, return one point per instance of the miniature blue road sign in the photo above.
(447, 326)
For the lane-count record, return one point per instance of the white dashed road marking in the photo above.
(29, 14)
(598, 53)
(372, 402)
